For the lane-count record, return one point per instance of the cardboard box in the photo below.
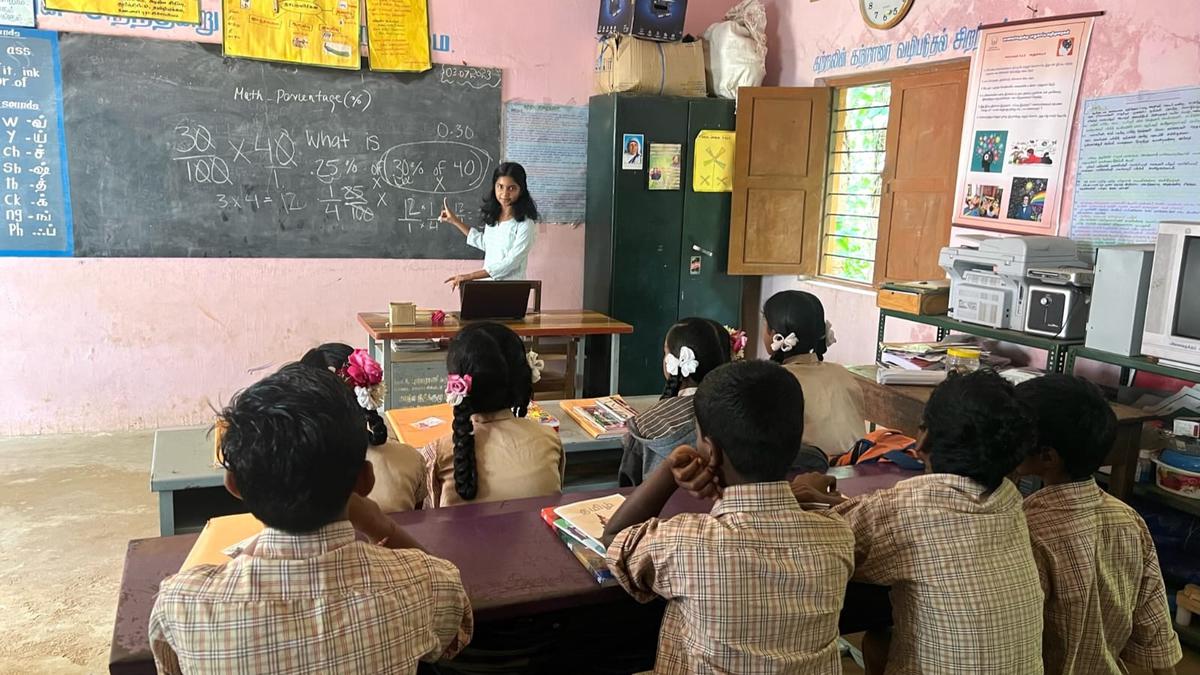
(930, 303)
(627, 64)
(660, 20)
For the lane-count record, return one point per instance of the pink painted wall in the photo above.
(1137, 45)
(96, 344)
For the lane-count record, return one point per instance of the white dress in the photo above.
(505, 247)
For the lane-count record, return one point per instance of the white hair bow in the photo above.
(536, 364)
(683, 365)
(830, 338)
(784, 344)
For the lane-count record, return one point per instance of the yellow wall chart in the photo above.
(313, 32)
(175, 11)
(714, 161)
(398, 35)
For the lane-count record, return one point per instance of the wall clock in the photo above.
(884, 13)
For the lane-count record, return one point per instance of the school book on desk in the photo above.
(581, 527)
(600, 417)
(419, 427)
(222, 539)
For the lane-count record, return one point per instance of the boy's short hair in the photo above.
(754, 411)
(1073, 418)
(975, 427)
(295, 443)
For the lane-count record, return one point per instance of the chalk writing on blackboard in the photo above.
(476, 78)
(34, 197)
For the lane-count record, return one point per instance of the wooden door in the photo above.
(779, 176)
(924, 132)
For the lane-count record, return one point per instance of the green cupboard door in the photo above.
(708, 292)
(647, 228)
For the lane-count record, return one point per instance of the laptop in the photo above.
(497, 300)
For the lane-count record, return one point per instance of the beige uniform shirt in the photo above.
(965, 592)
(833, 407)
(1106, 605)
(754, 587)
(515, 458)
(400, 483)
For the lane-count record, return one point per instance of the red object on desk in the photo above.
(511, 564)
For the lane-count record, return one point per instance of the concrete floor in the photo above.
(68, 506)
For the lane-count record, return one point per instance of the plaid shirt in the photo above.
(965, 593)
(1105, 600)
(312, 603)
(756, 586)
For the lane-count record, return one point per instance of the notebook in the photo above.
(220, 538)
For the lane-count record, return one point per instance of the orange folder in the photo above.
(218, 535)
(419, 427)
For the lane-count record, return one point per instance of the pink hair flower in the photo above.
(361, 370)
(457, 388)
(737, 342)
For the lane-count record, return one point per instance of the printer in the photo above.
(996, 283)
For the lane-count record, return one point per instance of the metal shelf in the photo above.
(1138, 363)
(1056, 350)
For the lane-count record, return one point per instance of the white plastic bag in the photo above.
(736, 49)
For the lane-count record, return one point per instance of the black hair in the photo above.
(295, 446)
(801, 314)
(1073, 418)
(336, 355)
(524, 208)
(494, 356)
(976, 427)
(707, 339)
(754, 412)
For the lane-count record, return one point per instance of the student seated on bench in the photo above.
(308, 597)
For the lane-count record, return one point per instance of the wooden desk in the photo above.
(526, 571)
(901, 407)
(191, 490)
(573, 324)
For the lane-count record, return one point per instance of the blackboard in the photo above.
(175, 151)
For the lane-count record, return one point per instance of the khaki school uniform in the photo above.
(1106, 605)
(965, 591)
(515, 458)
(753, 587)
(833, 407)
(400, 483)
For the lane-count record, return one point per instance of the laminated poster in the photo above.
(17, 13)
(1020, 104)
(714, 161)
(311, 32)
(666, 163)
(208, 30)
(174, 11)
(398, 35)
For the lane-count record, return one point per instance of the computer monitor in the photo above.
(1172, 330)
(496, 300)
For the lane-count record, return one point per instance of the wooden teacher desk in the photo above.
(572, 324)
(512, 564)
(900, 407)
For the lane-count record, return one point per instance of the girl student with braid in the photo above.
(692, 348)
(797, 336)
(494, 452)
(399, 469)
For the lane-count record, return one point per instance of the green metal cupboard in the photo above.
(642, 245)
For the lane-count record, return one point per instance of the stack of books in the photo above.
(581, 527)
(924, 363)
(1184, 402)
(600, 417)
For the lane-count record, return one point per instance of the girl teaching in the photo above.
(510, 222)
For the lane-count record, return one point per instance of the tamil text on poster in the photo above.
(398, 35)
(550, 141)
(312, 32)
(208, 30)
(1139, 164)
(1020, 103)
(174, 11)
(34, 196)
(713, 171)
(666, 165)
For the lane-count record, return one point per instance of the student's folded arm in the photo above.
(165, 659)
(453, 621)
(871, 518)
(1153, 642)
(646, 502)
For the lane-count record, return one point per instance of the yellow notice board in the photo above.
(175, 11)
(714, 161)
(312, 32)
(398, 35)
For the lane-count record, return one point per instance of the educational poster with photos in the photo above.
(1020, 105)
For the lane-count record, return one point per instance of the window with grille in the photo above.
(854, 185)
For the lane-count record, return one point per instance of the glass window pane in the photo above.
(851, 247)
(861, 118)
(860, 140)
(844, 205)
(859, 271)
(871, 95)
(853, 226)
(856, 162)
(854, 184)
